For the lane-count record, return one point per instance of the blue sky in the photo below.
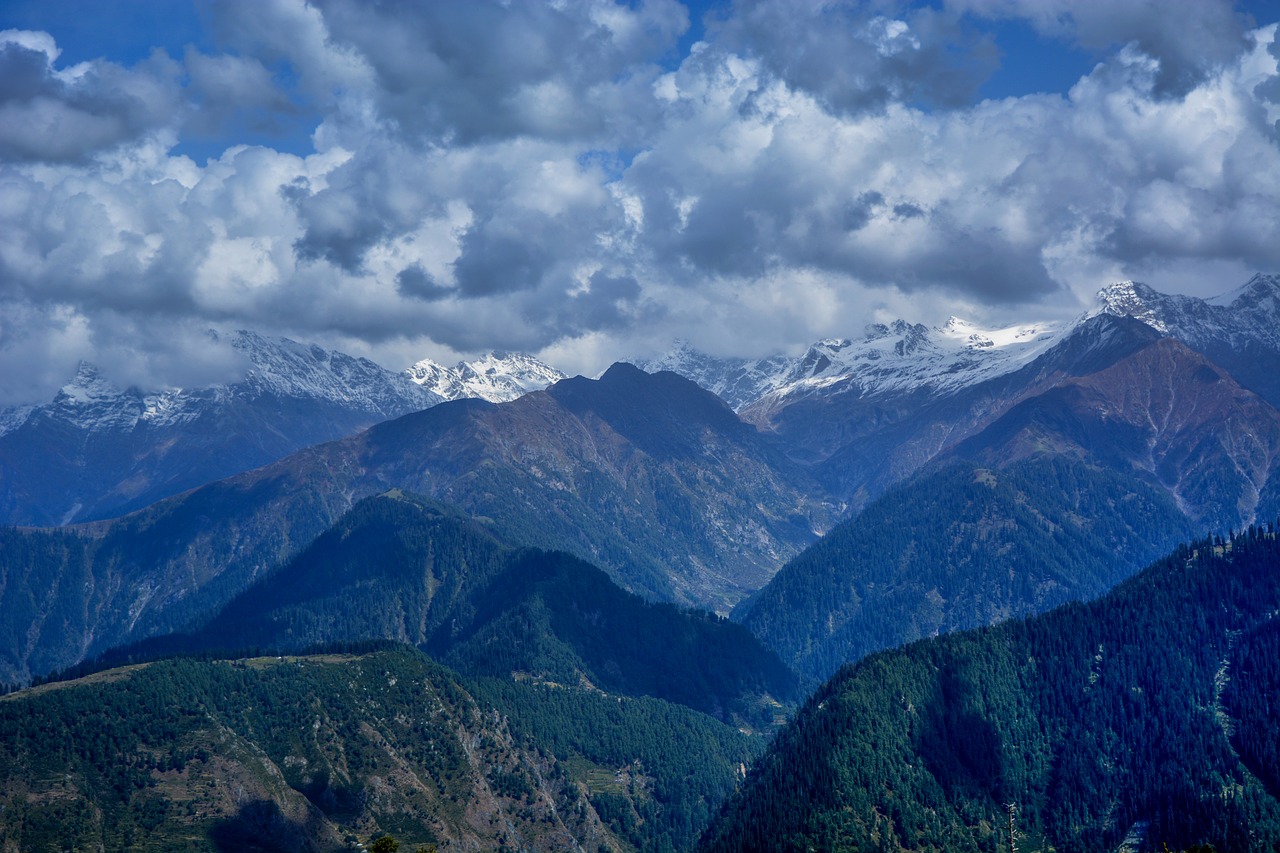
(591, 180)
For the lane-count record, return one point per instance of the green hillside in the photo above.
(959, 548)
(316, 753)
(1148, 714)
(412, 570)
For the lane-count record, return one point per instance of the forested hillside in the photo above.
(402, 568)
(1147, 714)
(959, 548)
(317, 753)
(649, 477)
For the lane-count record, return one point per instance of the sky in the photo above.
(589, 180)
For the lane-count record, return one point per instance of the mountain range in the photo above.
(414, 571)
(662, 486)
(1237, 330)
(864, 415)
(97, 451)
(648, 476)
(558, 542)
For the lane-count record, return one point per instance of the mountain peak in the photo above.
(1262, 292)
(737, 381)
(92, 401)
(1132, 299)
(498, 377)
(88, 379)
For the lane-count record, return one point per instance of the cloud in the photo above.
(1189, 39)
(67, 115)
(415, 282)
(461, 73)
(238, 95)
(858, 56)
(755, 178)
(574, 196)
(50, 341)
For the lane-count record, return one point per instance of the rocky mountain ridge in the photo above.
(902, 357)
(647, 476)
(98, 450)
(498, 377)
(280, 367)
(868, 413)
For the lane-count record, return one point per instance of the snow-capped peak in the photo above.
(287, 368)
(1251, 312)
(1132, 299)
(94, 402)
(88, 387)
(277, 367)
(1262, 292)
(737, 381)
(897, 356)
(901, 356)
(497, 377)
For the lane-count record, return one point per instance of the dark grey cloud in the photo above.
(1165, 221)
(364, 202)
(482, 70)
(608, 303)
(982, 263)
(855, 55)
(795, 208)
(68, 115)
(1269, 89)
(232, 95)
(416, 283)
(858, 213)
(461, 73)
(495, 260)
(1189, 38)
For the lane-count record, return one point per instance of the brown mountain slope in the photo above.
(859, 444)
(650, 477)
(1166, 413)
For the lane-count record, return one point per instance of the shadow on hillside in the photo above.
(260, 827)
(341, 803)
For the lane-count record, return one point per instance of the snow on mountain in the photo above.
(1248, 314)
(894, 357)
(901, 357)
(13, 417)
(737, 381)
(1239, 331)
(286, 368)
(282, 368)
(278, 367)
(91, 400)
(98, 450)
(498, 377)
